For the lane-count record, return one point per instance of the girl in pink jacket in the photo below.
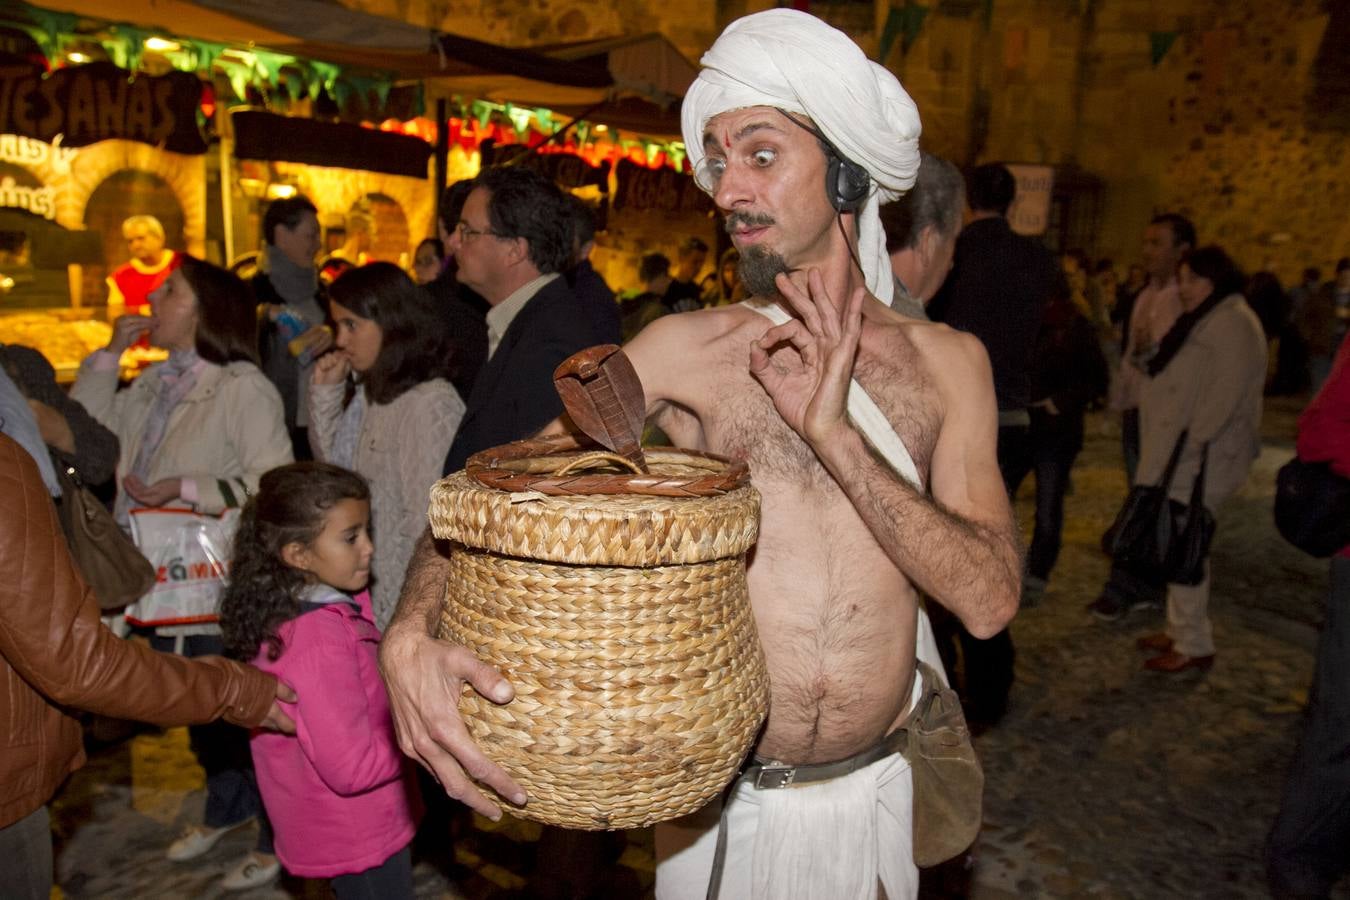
(342, 798)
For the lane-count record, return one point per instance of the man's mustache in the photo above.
(746, 220)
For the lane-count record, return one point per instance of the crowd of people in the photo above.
(327, 407)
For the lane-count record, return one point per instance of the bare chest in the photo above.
(738, 419)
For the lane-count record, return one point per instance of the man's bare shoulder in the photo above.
(675, 348)
(945, 351)
(701, 325)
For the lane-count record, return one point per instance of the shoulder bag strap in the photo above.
(1173, 460)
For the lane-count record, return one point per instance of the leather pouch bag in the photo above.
(111, 565)
(948, 780)
(1312, 507)
(1159, 537)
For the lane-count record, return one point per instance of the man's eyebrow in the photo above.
(710, 139)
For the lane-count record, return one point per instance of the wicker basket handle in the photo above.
(599, 456)
(602, 394)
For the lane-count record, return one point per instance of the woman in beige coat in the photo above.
(197, 431)
(1206, 379)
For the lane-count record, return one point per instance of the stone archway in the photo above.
(336, 191)
(184, 175)
(124, 193)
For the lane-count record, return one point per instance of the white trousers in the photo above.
(833, 840)
(829, 841)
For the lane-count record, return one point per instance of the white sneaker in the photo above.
(254, 870)
(197, 840)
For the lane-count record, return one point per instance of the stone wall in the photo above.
(1223, 128)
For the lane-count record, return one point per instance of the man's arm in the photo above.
(426, 677)
(960, 546)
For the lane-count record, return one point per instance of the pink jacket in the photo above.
(340, 794)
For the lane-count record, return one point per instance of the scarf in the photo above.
(348, 431)
(297, 285)
(1175, 339)
(177, 377)
(795, 62)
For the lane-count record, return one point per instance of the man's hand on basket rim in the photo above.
(425, 677)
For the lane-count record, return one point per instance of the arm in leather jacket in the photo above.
(51, 635)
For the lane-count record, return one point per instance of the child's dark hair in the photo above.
(263, 590)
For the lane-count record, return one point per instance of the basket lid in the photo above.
(688, 508)
(561, 465)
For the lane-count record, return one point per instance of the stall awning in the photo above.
(632, 82)
(268, 136)
(650, 77)
(325, 30)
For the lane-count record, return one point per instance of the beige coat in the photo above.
(1213, 387)
(223, 436)
(400, 451)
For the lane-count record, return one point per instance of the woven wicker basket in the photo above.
(622, 619)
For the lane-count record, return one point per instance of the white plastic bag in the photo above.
(191, 555)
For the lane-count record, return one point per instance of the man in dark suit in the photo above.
(586, 283)
(998, 289)
(513, 238)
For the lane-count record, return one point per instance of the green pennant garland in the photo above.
(914, 16)
(1159, 42)
(49, 27)
(895, 23)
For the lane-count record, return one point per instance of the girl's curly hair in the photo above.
(263, 591)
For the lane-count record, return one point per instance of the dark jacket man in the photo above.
(513, 239)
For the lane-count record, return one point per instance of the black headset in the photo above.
(846, 183)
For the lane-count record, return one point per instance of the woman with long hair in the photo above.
(197, 431)
(1205, 381)
(382, 405)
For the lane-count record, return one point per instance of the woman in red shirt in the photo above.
(1306, 854)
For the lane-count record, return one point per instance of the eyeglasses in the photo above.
(468, 233)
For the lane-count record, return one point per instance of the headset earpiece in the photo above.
(846, 183)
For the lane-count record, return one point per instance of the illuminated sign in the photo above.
(15, 148)
(38, 201)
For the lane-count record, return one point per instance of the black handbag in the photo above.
(111, 565)
(1312, 507)
(1162, 538)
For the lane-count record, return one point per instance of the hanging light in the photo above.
(162, 45)
(78, 57)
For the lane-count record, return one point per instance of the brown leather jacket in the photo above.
(55, 655)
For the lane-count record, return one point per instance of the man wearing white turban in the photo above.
(797, 137)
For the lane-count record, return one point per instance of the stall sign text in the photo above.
(99, 102)
(40, 201)
(15, 148)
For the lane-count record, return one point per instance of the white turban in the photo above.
(797, 63)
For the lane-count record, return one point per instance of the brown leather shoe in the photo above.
(1173, 662)
(1158, 642)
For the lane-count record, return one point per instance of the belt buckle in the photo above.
(775, 776)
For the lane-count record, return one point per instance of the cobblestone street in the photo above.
(1103, 780)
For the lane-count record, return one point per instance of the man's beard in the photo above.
(758, 268)
(759, 265)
